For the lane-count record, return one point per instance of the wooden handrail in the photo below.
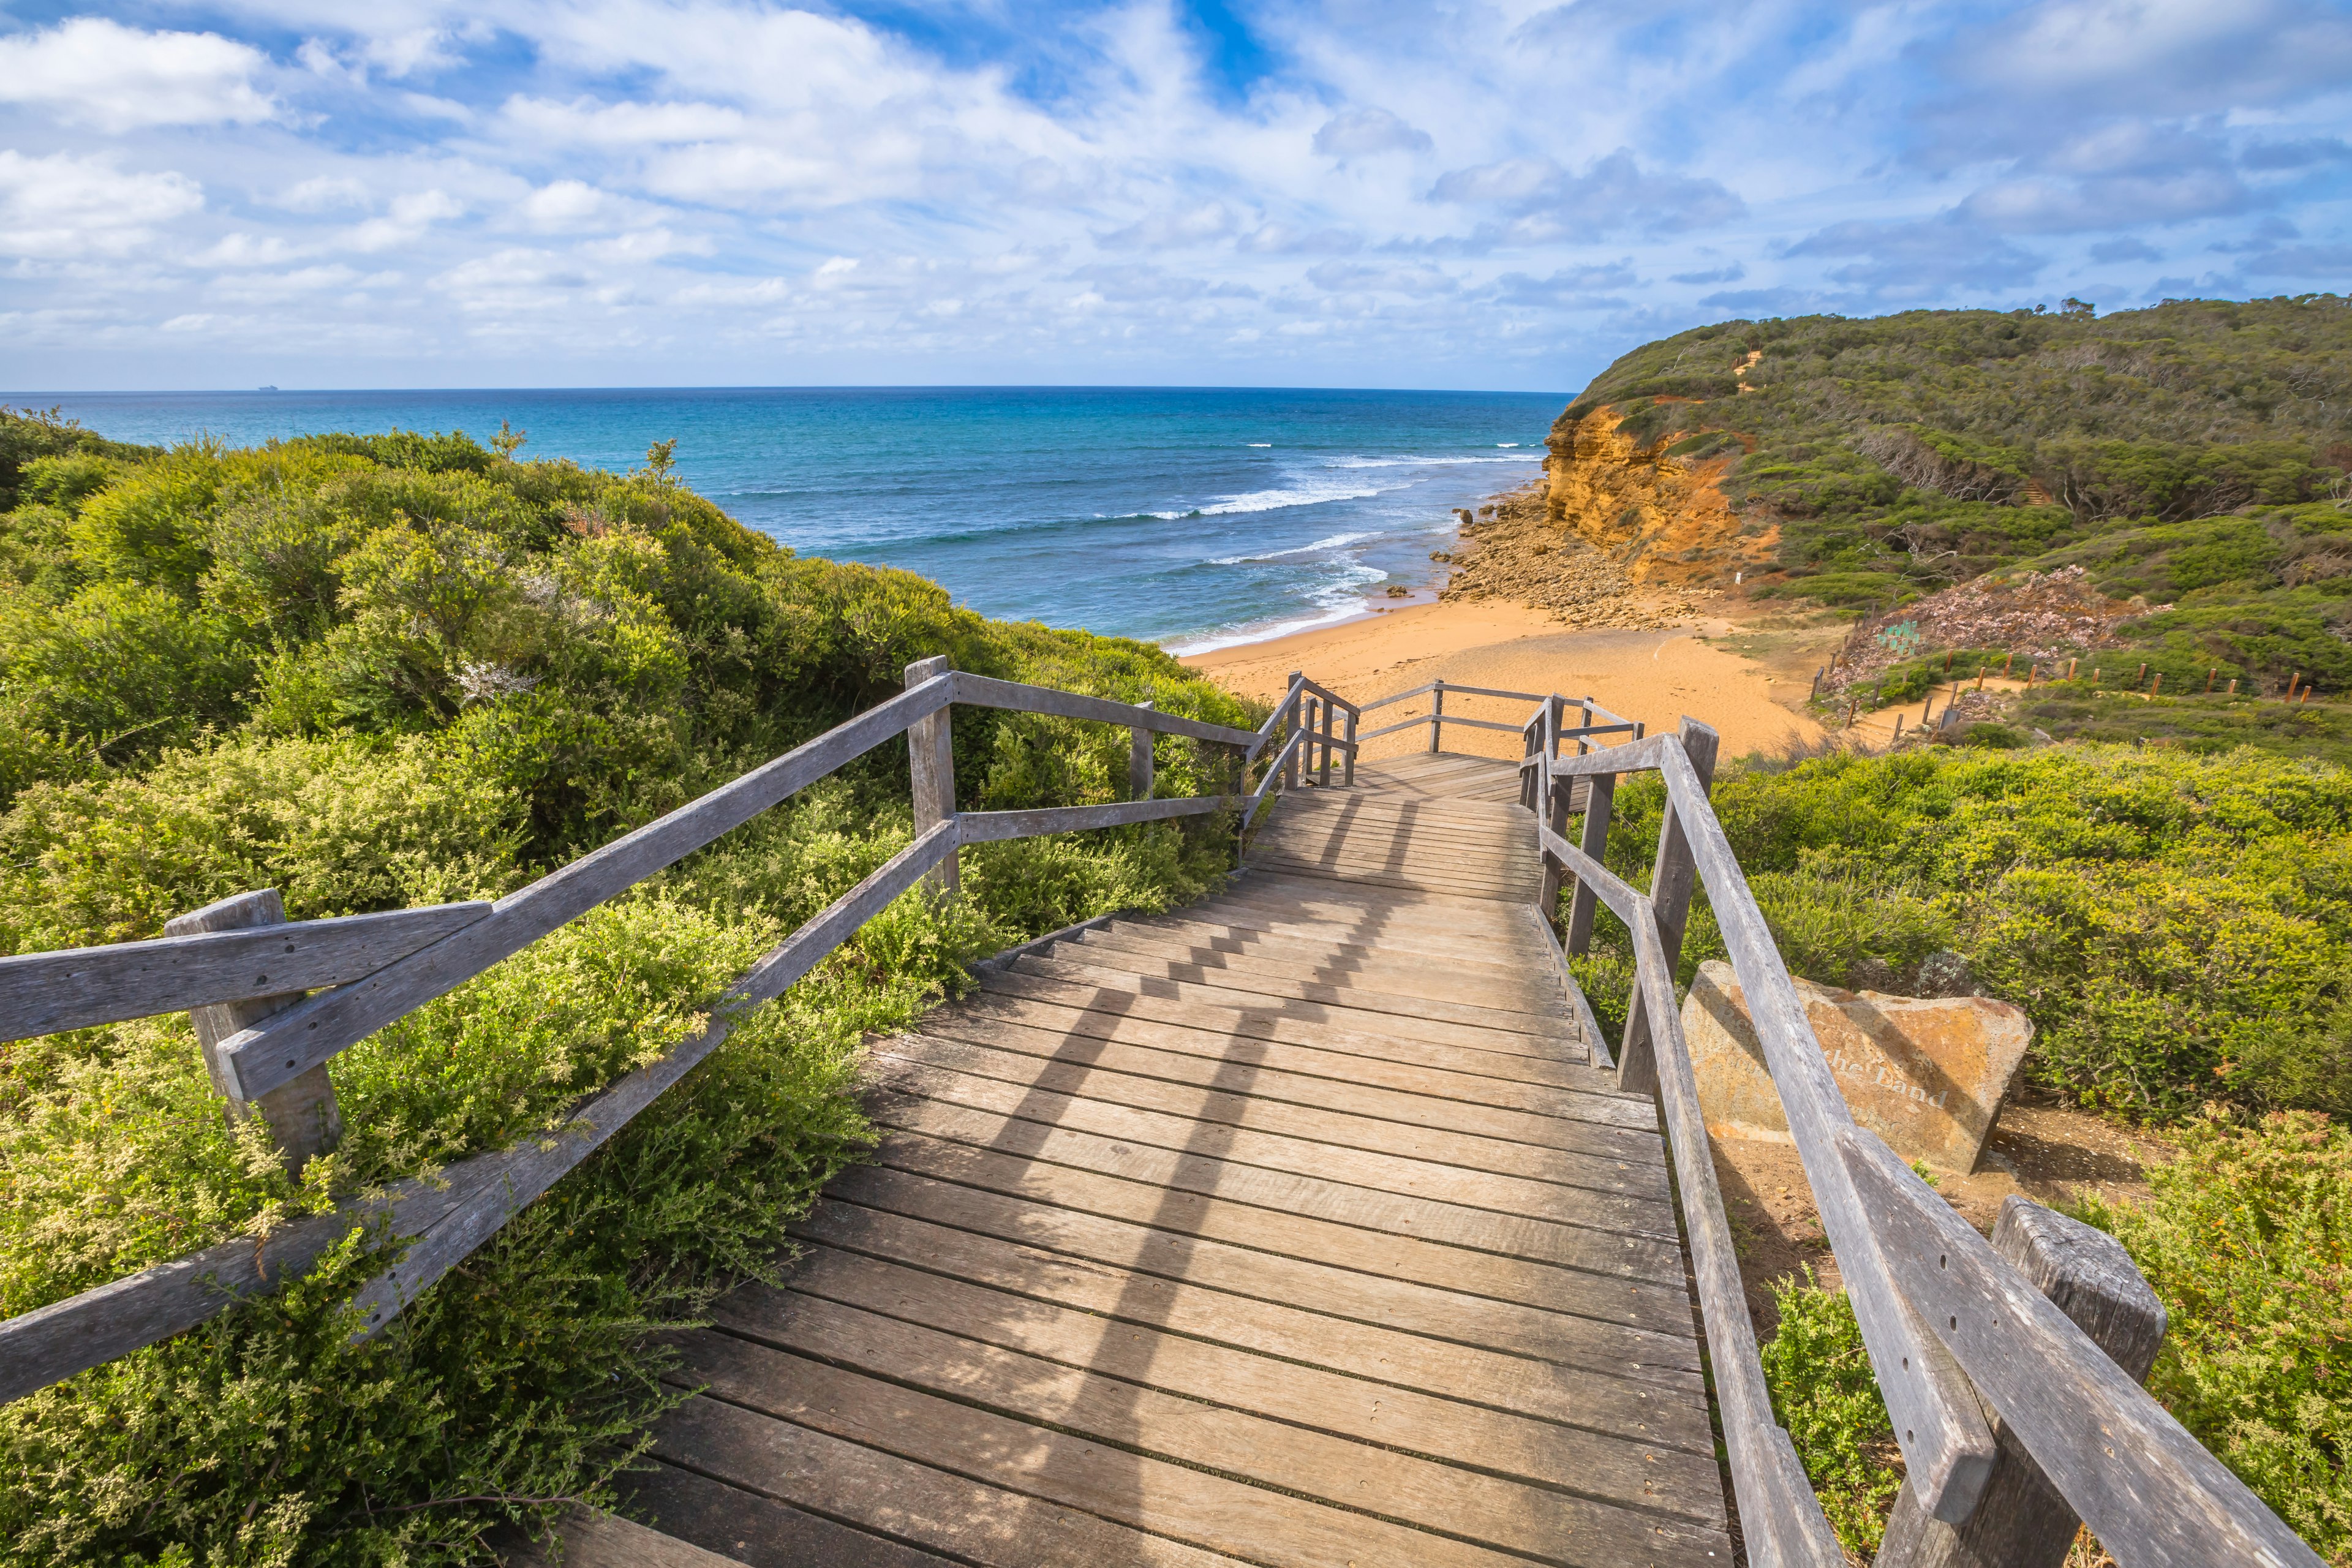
(388, 964)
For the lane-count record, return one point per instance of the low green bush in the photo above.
(387, 670)
(2179, 927)
(2247, 1238)
(1818, 1372)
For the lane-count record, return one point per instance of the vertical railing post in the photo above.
(1671, 881)
(1600, 795)
(1324, 707)
(931, 759)
(1552, 796)
(1139, 761)
(2022, 1521)
(1436, 712)
(302, 1116)
(1294, 705)
(1347, 763)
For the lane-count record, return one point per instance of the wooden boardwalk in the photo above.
(1293, 1228)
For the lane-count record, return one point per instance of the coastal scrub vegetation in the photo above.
(2179, 927)
(383, 670)
(2193, 456)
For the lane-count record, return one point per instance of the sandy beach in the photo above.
(1713, 669)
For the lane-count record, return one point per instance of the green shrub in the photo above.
(388, 671)
(2247, 1238)
(1818, 1371)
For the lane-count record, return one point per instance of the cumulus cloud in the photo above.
(1361, 132)
(61, 207)
(95, 71)
(1546, 201)
(1916, 259)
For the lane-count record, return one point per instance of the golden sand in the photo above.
(1655, 677)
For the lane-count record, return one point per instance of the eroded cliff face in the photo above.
(1662, 519)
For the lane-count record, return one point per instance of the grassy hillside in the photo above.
(383, 670)
(1928, 446)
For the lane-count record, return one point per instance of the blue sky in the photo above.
(718, 192)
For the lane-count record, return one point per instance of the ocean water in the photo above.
(1195, 517)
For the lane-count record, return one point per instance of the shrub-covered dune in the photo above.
(375, 671)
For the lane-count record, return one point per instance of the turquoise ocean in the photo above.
(1194, 517)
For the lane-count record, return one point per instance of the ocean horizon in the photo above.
(1193, 517)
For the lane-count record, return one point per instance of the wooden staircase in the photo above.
(1295, 1227)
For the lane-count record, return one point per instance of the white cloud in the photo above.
(1361, 132)
(97, 72)
(410, 216)
(60, 208)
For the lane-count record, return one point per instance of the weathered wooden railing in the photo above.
(276, 1001)
(1999, 1359)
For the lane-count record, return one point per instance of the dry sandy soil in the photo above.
(1654, 677)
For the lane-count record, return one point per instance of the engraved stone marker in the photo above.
(1926, 1074)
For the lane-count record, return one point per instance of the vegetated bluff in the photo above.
(1857, 460)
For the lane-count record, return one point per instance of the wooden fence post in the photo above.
(302, 1116)
(931, 759)
(1296, 703)
(1437, 712)
(1347, 763)
(1325, 709)
(1671, 881)
(2022, 1521)
(1551, 800)
(1599, 794)
(1139, 761)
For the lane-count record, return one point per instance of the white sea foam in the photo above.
(1333, 542)
(1421, 462)
(1342, 600)
(1257, 443)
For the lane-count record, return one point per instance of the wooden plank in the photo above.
(2149, 1491)
(1389, 880)
(77, 987)
(1205, 1065)
(1311, 1314)
(836, 1474)
(981, 691)
(1133, 1488)
(1777, 1499)
(1478, 998)
(282, 1047)
(1497, 986)
(529, 1168)
(1490, 945)
(1620, 1253)
(1622, 1211)
(1441, 1085)
(1405, 867)
(1315, 899)
(1369, 1013)
(1240, 1108)
(1050, 1189)
(1257, 934)
(1552, 1071)
(593, 1539)
(1936, 1416)
(1191, 1399)
(1417, 1493)
(53, 1342)
(743, 1526)
(988, 826)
